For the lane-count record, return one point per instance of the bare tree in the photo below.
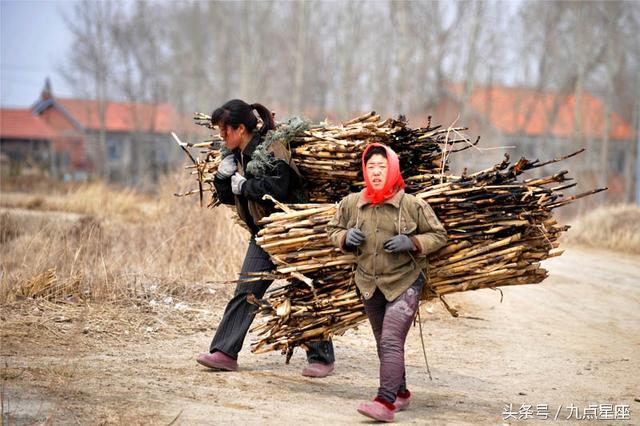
(142, 63)
(320, 57)
(89, 67)
(472, 54)
(301, 44)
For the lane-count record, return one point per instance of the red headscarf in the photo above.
(394, 181)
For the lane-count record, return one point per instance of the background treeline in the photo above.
(329, 59)
(339, 58)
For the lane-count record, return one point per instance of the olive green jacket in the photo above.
(392, 273)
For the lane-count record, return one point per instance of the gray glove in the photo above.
(237, 180)
(227, 167)
(398, 244)
(355, 237)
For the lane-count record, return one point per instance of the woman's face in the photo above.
(377, 168)
(232, 137)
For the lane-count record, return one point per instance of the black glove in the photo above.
(355, 237)
(398, 244)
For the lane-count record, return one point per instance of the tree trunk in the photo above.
(470, 66)
(245, 53)
(399, 18)
(298, 86)
(635, 181)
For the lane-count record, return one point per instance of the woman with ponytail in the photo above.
(391, 234)
(250, 169)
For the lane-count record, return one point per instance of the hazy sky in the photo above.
(34, 41)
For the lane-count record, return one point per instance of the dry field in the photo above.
(113, 243)
(107, 295)
(615, 228)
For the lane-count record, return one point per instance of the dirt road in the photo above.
(575, 339)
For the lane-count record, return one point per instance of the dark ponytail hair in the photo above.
(236, 112)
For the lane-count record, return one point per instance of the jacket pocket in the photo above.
(407, 226)
(363, 271)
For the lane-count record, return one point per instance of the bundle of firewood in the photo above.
(329, 155)
(500, 227)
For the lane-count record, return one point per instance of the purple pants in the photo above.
(390, 322)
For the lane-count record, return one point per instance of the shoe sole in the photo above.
(403, 408)
(364, 413)
(317, 376)
(215, 367)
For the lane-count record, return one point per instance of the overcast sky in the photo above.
(34, 41)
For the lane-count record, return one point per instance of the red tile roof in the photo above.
(527, 111)
(123, 116)
(22, 124)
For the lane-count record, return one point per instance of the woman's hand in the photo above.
(355, 237)
(398, 244)
(227, 167)
(237, 180)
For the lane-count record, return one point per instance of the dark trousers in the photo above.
(239, 313)
(390, 322)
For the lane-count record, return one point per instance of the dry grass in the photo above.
(95, 199)
(90, 269)
(614, 228)
(121, 245)
(35, 184)
(9, 228)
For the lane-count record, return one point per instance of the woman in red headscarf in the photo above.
(391, 234)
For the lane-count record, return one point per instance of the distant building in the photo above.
(25, 140)
(542, 125)
(65, 135)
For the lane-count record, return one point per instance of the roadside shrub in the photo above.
(614, 228)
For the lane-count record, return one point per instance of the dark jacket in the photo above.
(282, 182)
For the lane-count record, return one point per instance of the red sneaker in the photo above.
(218, 361)
(402, 400)
(379, 409)
(318, 370)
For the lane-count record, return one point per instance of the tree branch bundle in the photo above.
(329, 155)
(500, 224)
(500, 228)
